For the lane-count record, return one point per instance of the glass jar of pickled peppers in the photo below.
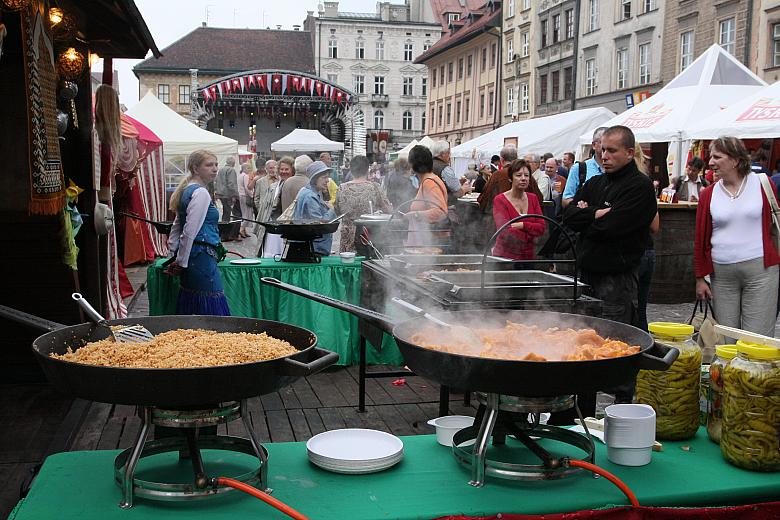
(750, 436)
(673, 393)
(723, 355)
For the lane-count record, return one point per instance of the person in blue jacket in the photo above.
(311, 207)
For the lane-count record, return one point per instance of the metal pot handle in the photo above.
(88, 309)
(322, 359)
(666, 356)
(29, 319)
(383, 321)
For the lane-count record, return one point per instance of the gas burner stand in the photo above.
(188, 445)
(499, 416)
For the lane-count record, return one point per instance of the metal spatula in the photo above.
(127, 334)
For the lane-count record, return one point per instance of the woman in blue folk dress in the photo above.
(194, 240)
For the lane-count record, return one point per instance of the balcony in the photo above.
(379, 100)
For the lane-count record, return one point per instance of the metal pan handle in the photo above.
(419, 312)
(383, 321)
(666, 355)
(322, 359)
(88, 309)
(29, 319)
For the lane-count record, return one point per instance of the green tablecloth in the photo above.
(247, 296)
(428, 483)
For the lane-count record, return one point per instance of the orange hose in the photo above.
(265, 497)
(609, 476)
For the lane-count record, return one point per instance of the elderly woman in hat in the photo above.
(311, 206)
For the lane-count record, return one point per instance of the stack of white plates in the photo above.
(355, 450)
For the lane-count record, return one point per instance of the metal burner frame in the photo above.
(469, 445)
(188, 446)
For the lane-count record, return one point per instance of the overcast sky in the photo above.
(169, 20)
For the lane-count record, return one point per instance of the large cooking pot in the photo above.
(173, 387)
(512, 377)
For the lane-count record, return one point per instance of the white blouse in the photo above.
(736, 223)
(180, 240)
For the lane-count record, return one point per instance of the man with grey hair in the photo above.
(499, 182)
(539, 174)
(576, 178)
(226, 190)
(293, 185)
(441, 167)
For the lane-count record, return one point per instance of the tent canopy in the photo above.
(426, 141)
(715, 80)
(556, 134)
(755, 116)
(404, 152)
(300, 140)
(179, 136)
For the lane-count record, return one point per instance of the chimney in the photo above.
(296, 27)
(331, 9)
(278, 27)
(203, 24)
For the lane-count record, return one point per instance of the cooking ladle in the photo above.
(469, 334)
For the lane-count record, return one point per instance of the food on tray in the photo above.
(424, 250)
(524, 342)
(182, 348)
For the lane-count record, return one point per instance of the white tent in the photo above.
(755, 116)
(404, 152)
(300, 140)
(426, 141)
(555, 134)
(714, 81)
(179, 136)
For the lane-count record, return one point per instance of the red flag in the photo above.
(319, 88)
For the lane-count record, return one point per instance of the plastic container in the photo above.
(674, 393)
(629, 433)
(723, 355)
(448, 426)
(751, 408)
(347, 257)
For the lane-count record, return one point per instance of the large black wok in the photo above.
(301, 230)
(181, 387)
(511, 377)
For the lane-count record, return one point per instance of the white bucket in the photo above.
(448, 426)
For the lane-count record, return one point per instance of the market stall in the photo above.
(301, 141)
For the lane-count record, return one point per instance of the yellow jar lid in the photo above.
(665, 328)
(756, 351)
(726, 351)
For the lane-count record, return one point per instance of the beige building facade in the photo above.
(556, 49)
(519, 26)
(172, 88)
(765, 56)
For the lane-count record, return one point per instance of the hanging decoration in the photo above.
(15, 5)
(70, 64)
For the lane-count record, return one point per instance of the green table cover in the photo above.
(247, 296)
(427, 483)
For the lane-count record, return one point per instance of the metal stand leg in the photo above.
(128, 477)
(256, 446)
(480, 443)
(362, 376)
(444, 400)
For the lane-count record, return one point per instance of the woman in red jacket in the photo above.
(733, 243)
(517, 241)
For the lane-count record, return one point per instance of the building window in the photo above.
(380, 49)
(556, 28)
(379, 119)
(441, 76)
(728, 33)
(625, 9)
(469, 64)
(184, 94)
(426, 46)
(424, 88)
(526, 4)
(460, 68)
(593, 18)
(408, 86)
(491, 102)
(379, 84)
(524, 98)
(433, 115)
(648, 5)
(360, 51)
(555, 77)
(449, 114)
(408, 51)
(543, 89)
(493, 55)
(453, 17)
(776, 45)
(644, 64)
(481, 106)
(359, 84)
(333, 79)
(483, 66)
(544, 33)
(569, 23)
(164, 93)
(457, 111)
(621, 62)
(406, 120)
(567, 83)
(590, 77)
(510, 101)
(510, 51)
(422, 122)
(524, 44)
(441, 116)
(510, 8)
(467, 111)
(450, 69)
(686, 50)
(333, 48)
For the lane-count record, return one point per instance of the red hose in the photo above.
(609, 476)
(265, 497)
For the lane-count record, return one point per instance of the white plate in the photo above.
(245, 261)
(355, 450)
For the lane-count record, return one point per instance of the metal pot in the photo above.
(512, 377)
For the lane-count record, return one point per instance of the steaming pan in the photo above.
(413, 264)
(503, 285)
(512, 377)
